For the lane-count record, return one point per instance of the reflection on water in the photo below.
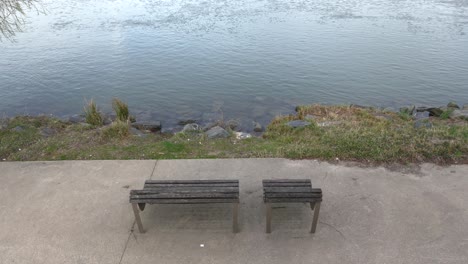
(12, 14)
(249, 59)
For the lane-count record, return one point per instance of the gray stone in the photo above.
(453, 105)
(329, 123)
(151, 126)
(421, 115)
(18, 129)
(422, 124)
(184, 122)
(445, 108)
(242, 135)
(209, 125)
(408, 110)
(217, 132)
(137, 132)
(77, 119)
(48, 132)
(191, 128)
(422, 109)
(463, 114)
(404, 110)
(298, 123)
(435, 111)
(465, 107)
(257, 127)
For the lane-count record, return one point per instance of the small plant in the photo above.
(446, 114)
(117, 129)
(405, 116)
(121, 110)
(92, 114)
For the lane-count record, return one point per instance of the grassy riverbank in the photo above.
(335, 132)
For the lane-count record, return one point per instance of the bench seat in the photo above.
(186, 192)
(291, 191)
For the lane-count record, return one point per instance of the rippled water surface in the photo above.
(246, 59)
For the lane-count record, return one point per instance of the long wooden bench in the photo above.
(186, 192)
(291, 191)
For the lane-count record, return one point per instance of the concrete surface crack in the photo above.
(334, 228)
(154, 168)
(126, 243)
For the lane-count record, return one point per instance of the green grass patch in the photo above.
(121, 110)
(336, 132)
(116, 130)
(92, 114)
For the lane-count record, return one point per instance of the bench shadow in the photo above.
(291, 217)
(186, 217)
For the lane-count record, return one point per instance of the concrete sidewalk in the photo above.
(78, 212)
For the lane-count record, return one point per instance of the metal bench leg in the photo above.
(235, 217)
(316, 215)
(268, 217)
(137, 217)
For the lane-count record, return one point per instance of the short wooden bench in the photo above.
(291, 191)
(186, 192)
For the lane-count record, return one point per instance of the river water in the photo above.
(245, 59)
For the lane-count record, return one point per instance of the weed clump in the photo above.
(92, 114)
(117, 130)
(121, 110)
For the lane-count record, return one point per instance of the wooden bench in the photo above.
(186, 192)
(291, 191)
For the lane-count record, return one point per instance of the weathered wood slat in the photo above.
(286, 184)
(292, 195)
(268, 189)
(290, 191)
(192, 185)
(191, 181)
(183, 201)
(192, 189)
(287, 181)
(291, 200)
(182, 195)
(187, 191)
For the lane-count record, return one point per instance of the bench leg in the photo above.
(235, 217)
(268, 217)
(312, 206)
(137, 217)
(316, 215)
